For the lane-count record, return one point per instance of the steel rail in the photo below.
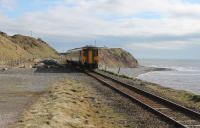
(172, 105)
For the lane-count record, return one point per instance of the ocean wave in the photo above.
(178, 68)
(170, 73)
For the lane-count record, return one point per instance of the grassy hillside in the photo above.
(11, 51)
(23, 47)
(36, 47)
(116, 57)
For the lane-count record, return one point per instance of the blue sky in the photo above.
(147, 28)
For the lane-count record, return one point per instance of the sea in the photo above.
(181, 74)
(184, 74)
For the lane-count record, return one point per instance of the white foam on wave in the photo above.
(177, 80)
(178, 68)
(186, 69)
(145, 74)
(168, 73)
(185, 75)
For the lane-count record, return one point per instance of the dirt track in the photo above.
(19, 88)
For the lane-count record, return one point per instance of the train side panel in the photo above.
(95, 56)
(84, 54)
(85, 57)
(90, 57)
(74, 56)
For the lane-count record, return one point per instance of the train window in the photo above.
(85, 52)
(95, 52)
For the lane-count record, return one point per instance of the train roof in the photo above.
(90, 47)
(72, 50)
(77, 49)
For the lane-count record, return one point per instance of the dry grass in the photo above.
(10, 51)
(35, 47)
(116, 57)
(23, 47)
(68, 105)
(190, 99)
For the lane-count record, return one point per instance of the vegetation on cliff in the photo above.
(116, 57)
(23, 47)
(36, 47)
(11, 51)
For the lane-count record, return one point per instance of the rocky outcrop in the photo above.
(3, 34)
(116, 57)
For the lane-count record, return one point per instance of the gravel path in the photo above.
(19, 88)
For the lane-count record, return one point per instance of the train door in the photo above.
(90, 58)
(94, 55)
(85, 56)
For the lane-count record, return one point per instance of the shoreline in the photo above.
(135, 72)
(186, 98)
(165, 77)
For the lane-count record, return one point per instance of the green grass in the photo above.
(195, 98)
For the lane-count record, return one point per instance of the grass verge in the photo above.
(189, 99)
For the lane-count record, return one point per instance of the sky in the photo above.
(167, 29)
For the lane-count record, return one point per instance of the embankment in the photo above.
(69, 104)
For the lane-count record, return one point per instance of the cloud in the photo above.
(160, 45)
(8, 4)
(153, 24)
(164, 45)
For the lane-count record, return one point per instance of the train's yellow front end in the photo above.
(89, 57)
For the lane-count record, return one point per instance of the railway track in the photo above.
(174, 114)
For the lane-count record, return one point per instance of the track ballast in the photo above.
(172, 113)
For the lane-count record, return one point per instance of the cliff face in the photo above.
(116, 57)
(23, 47)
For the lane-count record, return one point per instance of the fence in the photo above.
(14, 62)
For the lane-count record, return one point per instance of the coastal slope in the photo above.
(24, 47)
(35, 47)
(11, 51)
(116, 57)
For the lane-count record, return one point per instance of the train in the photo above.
(84, 57)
